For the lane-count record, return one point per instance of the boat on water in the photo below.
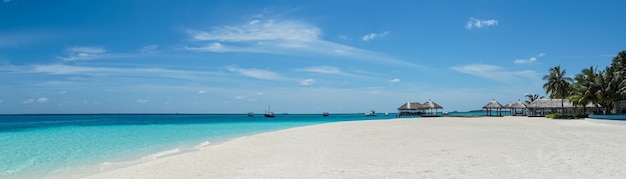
(371, 113)
(269, 113)
(325, 114)
(250, 114)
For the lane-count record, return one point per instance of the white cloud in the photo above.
(496, 73)
(329, 70)
(201, 91)
(525, 61)
(62, 92)
(240, 97)
(212, 47)
(256, 73)
(372, 36)
(307, 82)
(280, 37)
(529, 60)
(83, 53)
(253, 22)
(478, 23)
(396, 80)
(149, 49)
(257, 31)
(143, 100)
(42, 100)
(343, 37)
(61, 69)
(28, 101)
(322, 69)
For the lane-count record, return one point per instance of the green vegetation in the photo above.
(532, 97)
(602, 88)
(566, 116)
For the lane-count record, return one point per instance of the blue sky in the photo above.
(299, 56)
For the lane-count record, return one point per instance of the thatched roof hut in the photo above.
(410, 109)
(429, 105)
(550, 104)
(518, 108)
(508, 106)
(493, 104)
(411, 105)
(541, 107)
(518, 105)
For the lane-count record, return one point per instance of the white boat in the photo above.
(371, 113)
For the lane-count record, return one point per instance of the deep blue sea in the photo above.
(39, 146)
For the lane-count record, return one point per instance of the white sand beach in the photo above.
(498, 147)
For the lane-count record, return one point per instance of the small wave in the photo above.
(202, 145)
(162, 154)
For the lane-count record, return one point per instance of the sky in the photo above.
(196, 56)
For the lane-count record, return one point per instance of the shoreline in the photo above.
(518, 147)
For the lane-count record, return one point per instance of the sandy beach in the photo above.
(484, 147)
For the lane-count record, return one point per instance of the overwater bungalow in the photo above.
(428, 108)
(493, 105)
(410, 109)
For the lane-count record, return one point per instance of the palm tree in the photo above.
(619, 68)
(532, 97)
(608, 88)
(557, 85)
(586, 87)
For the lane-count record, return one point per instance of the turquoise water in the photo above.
(36, 146)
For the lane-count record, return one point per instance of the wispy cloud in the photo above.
(478, 23)
(529, 60)
(256, 73)
(493, 72)
(280, 37)
(149, 49)
(240, 97)
(258, 31)
(42, 100)
(307, 82)
(327, 70)
(372, 36)
(28, 101)
(62, 69)
(143, 100)
(323, 69)
(396, 80)
(201, 92)
(83, 53)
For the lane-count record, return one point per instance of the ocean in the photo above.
(39, 146)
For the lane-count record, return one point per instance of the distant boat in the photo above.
(371, 113)
(325, 114)
(386, 114)
(269, 113)
(250, 114)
